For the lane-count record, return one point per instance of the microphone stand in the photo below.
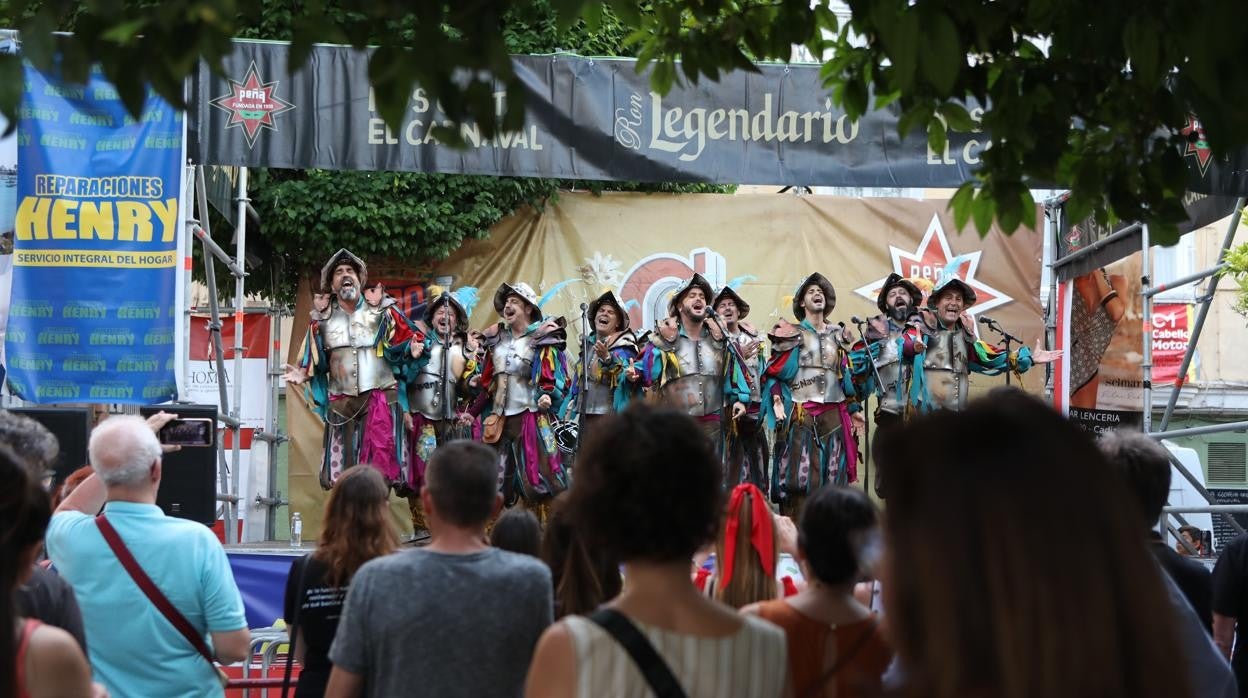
(992, 324)
(584, 381)
(879, 400)
(732, 347)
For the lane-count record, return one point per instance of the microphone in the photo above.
(584, 307)
(985, 320)
(857, 320)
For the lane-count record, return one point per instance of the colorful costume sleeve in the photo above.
(992, 361)
(482, 400)
(472, 369)
(551, 375)
(860, 371)
(658, 366)
(736, 383)
(779, 374)
(313, 356)
(395, 338)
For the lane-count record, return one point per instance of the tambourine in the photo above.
(566, 432)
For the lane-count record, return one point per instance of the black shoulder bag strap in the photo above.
(658, 674)
(293, 628)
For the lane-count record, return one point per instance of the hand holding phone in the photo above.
(192, 432)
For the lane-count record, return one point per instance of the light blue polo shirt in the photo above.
(134, 650)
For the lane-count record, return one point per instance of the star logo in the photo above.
(929, 260)
(1197, 146)
(252, 105)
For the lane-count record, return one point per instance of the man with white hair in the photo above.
(135, 650)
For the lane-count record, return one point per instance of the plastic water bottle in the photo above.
(296, 530)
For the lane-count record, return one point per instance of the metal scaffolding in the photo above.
(1149, 291)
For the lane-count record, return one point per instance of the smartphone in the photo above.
(189, 432)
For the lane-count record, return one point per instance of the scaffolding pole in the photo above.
(1146, 280)
(228, 496)
(240, 246)
(1203, 313)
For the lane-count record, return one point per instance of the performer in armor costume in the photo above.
(612, 374)
(352, 383)
(526, 379)
(687, 363)
(949, 352)
(746, 454)
(810, 393)
(893, 336)
(433, 389)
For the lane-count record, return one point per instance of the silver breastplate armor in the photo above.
(434, 394)
(946, 367)
(891, 372)
(699, 390)
(513, 364)
(751, 365)
(354, 366)
(597, 397)
(819, 360)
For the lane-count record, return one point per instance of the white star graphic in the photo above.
(927, 262)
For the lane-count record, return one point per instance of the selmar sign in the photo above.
(586, 118)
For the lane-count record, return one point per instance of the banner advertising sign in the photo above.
(1099, 380)
(202, 388)
(1172, 332)
(202, 381)
(586, 118)
(8, 210)
(93, 310)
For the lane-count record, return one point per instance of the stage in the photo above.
(260, 570)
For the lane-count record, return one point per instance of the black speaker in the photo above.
(188, 483)
(70, 425)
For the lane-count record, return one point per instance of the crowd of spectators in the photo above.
(963, 586)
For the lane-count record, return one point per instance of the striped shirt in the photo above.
(750, 663)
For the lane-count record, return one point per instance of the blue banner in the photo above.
(95, 246)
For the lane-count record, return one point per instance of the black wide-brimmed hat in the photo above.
(829, 294)
(894, 280)
(343, 256)
(610, 299)
(743, 308)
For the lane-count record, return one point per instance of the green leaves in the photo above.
(942, 56)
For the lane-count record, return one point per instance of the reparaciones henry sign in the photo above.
(95, 246)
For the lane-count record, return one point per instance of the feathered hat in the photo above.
(829, 295)
(949, 279)
(343, 256)
(524, 291)
(695, 281)
(743, 308)
(894, 280)
(609, 298)
(458, 306)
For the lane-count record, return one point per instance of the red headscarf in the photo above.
(762, 537)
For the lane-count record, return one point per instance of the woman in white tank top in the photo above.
(648, 491)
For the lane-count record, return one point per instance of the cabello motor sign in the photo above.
(587, 118)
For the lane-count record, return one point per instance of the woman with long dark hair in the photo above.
(38, 660)
(583, 578)
(984, 593)
(648, 492)
(356, 529)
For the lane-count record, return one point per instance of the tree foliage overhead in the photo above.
(307, 215)
(1095, 97)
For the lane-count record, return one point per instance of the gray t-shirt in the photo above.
(421, 623)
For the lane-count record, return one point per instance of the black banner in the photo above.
(586, 118)
(1086, 245)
